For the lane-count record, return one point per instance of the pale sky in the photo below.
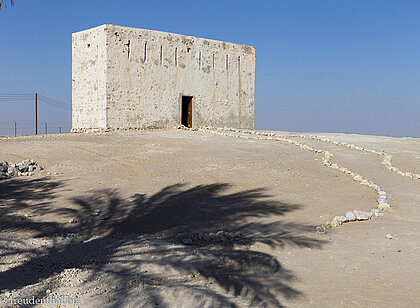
(322, 66)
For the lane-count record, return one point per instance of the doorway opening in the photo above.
(186, 111)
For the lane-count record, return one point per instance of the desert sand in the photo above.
(104, 222)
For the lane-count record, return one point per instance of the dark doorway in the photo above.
(186, 111)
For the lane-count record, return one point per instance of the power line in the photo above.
(19, 94)
(54, 102)
(8, 97)
(15, 97)
(53, 99)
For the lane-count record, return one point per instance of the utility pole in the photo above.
(45, 127)
(15, 129)
(36, 113)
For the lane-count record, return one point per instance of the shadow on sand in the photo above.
(145, 231)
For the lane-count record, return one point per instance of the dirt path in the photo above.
(155, 188)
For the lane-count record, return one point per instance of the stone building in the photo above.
(129, 78)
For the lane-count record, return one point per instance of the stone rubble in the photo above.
(382, 202)
(219, 236)
(24, 168)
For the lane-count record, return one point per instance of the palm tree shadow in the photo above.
(115, 227)
(23, 195)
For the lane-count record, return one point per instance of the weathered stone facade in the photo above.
(128, 78)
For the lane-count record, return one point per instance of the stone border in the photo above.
(351, 215)
(387, 158)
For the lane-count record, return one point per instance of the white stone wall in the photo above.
(89, 79)
(147, 71)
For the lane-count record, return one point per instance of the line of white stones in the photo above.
(351, 215)
(387, 158)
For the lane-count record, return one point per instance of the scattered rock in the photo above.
(327, 225)
(344, 219)
(237, 235)
(336, 222)
(357, 178)
(96, 212)
(187, 241)
(334, 166)
(376, 212)
(106, 216)
(219, 236)
(389, 236)
(360, 215)
(73, 220)
(228, 235)
(381, 198)
(364, 182)
(320, 229)
(350, 215)
(23, 167)
(384, 206)
(12, 171)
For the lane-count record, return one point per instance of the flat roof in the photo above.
(162, 32)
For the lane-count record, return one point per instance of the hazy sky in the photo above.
(325, 66)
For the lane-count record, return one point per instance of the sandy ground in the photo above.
(154, 188)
